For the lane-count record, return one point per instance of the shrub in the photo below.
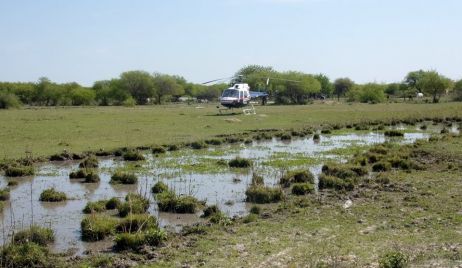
(123, 178)
(136, 222)
(302, 188)
(26, 255)
(9, 100)
(12, 183)
(393, 259)
(198, 145)
(255, 210)
(381, 166)
(257, 180)
(19, 171)
(89, 162)
(168, 201)
(210, 210)
(326, 131)
(113, 203)
(250, 218)
(286, 137)
(4, 194)
(159, 187)
(51, 195)
(344, 171)
(95, 207)
(263, 194)
(134, 241)
(298, 176)
(173, 147)
(158, 150)
(79, 174)
(134, 204)
(133, 156)
(393, 133)
(240, 163)
(36, 234)
(214, 142)
(92, 178)
(220, 218)
(97, 227)
(331, 182)
(316, 137)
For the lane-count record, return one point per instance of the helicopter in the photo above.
(239, 94)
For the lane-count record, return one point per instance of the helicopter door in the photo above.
(241, 96)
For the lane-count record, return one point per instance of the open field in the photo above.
(45, 131)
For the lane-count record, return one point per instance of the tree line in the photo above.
(292, 87)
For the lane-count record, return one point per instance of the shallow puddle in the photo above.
(189, 172)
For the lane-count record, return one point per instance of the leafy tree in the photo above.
(392, 89)
(9, 100)
(166, 85)
(342, 85)
(82, 96)
(327, 88)
(433, 84)
(412, 80)
(458, 90)
(139, 84)
(372, 93)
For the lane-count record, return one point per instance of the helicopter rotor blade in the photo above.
(216, 80)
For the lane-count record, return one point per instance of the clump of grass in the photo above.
(423, 127)
(134, 241)
(316, 137)
(89, 162)
(250, 218)
(134, 204)
(92, 177)
(113, 203)
(26, 255)
(298, 176)
(97, 227)
(198, 145)
(326, 131)
(344, 171)
(51, 195)
(136, 222)
(95, 207)
(210, 211)
(302, 188)
(285, 137)
(102, 152)
(173, 147)
(12, 183)
(239, 162)
(39, 235)
(393, 259)
(133, 156)
(19, 171)
(61, 157)
(444, 131)
(220, 218)
(263, 194)
(381, 166)
(214, 141)
(158, 150)
(4, 194)
(168, 201)
(332, 182)
(123, 178)
(159, 187)
(257, 180)
(393, 133)
(255, 210)
(79, 174)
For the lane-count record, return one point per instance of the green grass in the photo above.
(44, 130)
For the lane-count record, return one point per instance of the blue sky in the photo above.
(366, 40)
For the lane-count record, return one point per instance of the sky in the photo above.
(89, 40)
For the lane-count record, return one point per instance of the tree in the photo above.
(166, 85)
(433, 84)
(327, 88)
(392, 89)
(412, 80)
(139, 84)
(82, 96)
(458, 90)
(342, 85)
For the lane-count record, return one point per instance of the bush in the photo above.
(255, 210)
(39, 235)
(123, 178)
(210, 210)
(133, 156)
(134, 204)
(263, 194)
(19, 171)
(95, 207)
(158, 150)
(393, 259)
(26, 255)
(316, 137)
(79, 174)
(51, 195)
(286, 137)
(257, 180)
(240, 163)
(168, 201)
(4, 194)
(135, 241)
(92, 178)
(214, 142)
(159, 187)
(302, 188)
(89, 162)
(9, 100)
(113, 203)
(331, 182)
(12, 183)
(173, 147)
(136, 222)
(250, 218)
(220, 218)
(344, 171)
(381, 167)
(97, 227)
(393, 133)
(326, 131)
(298, 176)
(198, 145)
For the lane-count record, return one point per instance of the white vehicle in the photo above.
(236, 96)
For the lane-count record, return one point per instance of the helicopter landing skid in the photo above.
(249, 111)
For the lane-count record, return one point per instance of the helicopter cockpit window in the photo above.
(231, 93)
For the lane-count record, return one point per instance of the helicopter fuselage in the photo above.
(236, 96)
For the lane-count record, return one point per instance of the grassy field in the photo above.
(45, 131)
